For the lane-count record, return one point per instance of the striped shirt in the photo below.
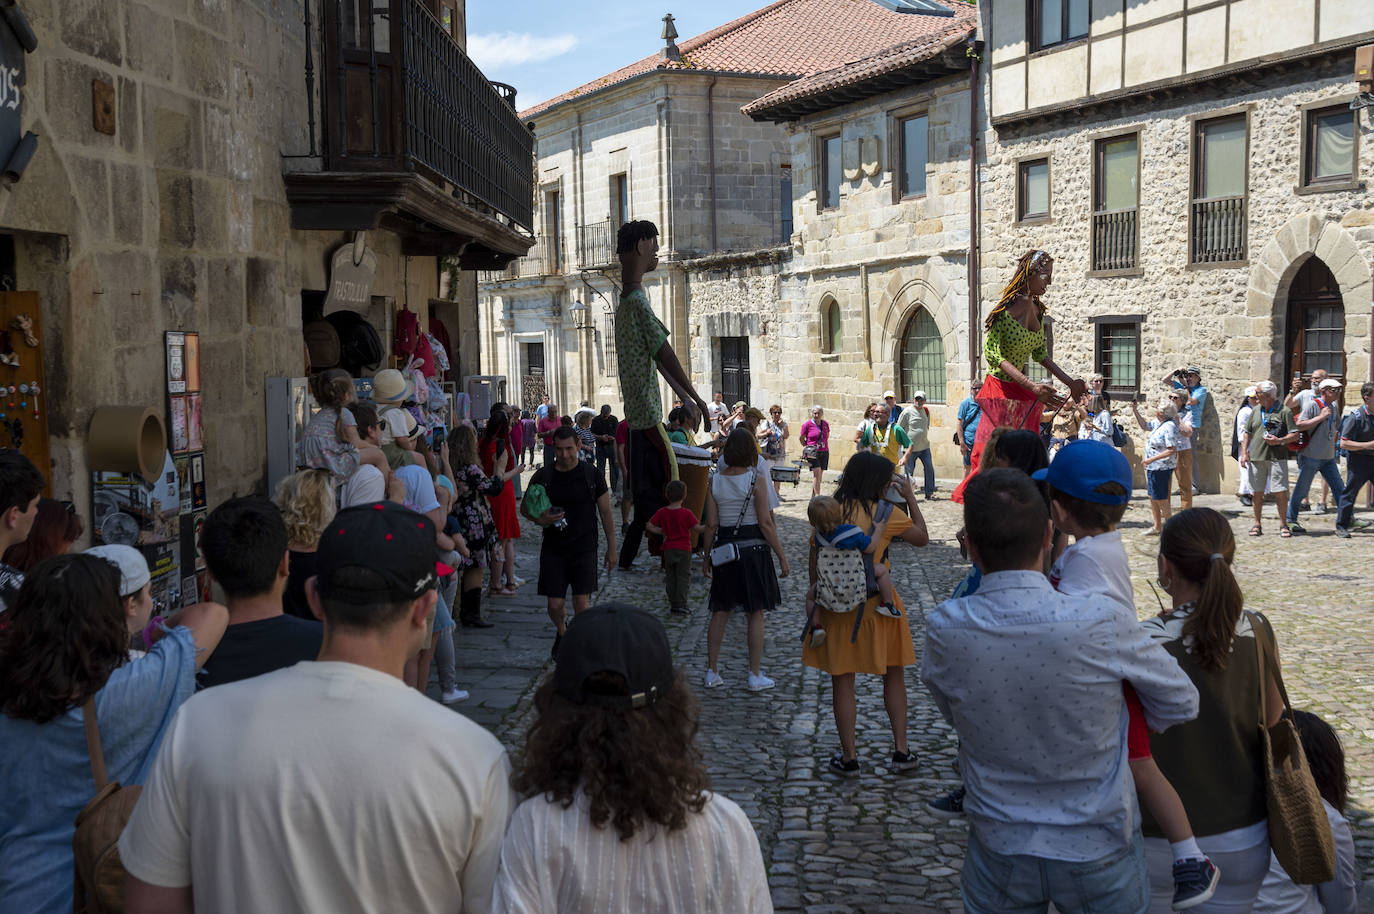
(554, 859)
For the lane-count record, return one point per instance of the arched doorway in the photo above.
(1316, 323)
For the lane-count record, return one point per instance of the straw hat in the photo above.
(390, 387)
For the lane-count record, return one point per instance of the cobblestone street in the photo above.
(868, 845)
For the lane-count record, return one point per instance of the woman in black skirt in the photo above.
(737, 513)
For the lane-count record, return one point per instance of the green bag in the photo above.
(536, 500)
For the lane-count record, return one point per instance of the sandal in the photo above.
(1284, 532)
(1256, 530)
(503, 592)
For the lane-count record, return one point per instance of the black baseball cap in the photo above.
(614, 638)
(386, 554)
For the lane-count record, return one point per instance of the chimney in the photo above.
(670, 50)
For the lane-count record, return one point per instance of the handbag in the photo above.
(1299, 832)
(811, 452)
(726, 553)
(99, 874)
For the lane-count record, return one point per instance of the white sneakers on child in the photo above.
(889, 610)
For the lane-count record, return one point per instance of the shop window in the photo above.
(1116, 202)
(1033, 189)
(832, 172)
(1330, 148)
(1117, 354)
(915, 154)
(921, 361)
(831, 340)
(1218, 223)
(1057, 21)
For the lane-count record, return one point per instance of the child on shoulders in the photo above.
(331, 440)
(1090, 486)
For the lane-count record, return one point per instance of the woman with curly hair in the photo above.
(619, 816)
(307, 504)
(64, 654)
(55, 528)
(1015, 334)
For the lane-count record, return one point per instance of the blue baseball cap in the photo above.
(1081, 466)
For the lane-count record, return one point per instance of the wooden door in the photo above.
(360, 79)
(23, 413)
(734, 368)
(1316, 323)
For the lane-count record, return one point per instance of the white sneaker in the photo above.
(453, 696)
(713, 680)
(759, 683)
(887, 609)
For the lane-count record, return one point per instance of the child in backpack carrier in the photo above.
(331, 440)
(827, 519)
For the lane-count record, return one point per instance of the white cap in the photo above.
(919, 395)
(133, 567)
(1330, 382)
(888, 393)
(1250, 391)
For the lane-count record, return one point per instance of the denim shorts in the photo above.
(994, 882)
(1158, 484)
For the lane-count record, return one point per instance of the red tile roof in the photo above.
(783, 102)
(788, 40)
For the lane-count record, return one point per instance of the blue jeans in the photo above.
(926, 463)
(1017, 884)
(1307, 468)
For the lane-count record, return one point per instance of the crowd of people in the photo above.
(288, 758)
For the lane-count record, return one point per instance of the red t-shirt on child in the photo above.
(676, 524)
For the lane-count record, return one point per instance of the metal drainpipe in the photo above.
(711, 154)
(974, 225)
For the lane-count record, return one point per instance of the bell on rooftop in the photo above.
(670, 51)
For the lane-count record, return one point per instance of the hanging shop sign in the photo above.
(16, 41)
(352, 270)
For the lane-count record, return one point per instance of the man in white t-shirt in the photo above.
(367, 484)
(716, 412)
(329, 785)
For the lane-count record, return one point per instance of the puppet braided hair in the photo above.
(1030, 262)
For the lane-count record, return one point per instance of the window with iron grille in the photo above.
(1117, 354)
(921, 361)
(1331, 147)
(1057, 21)
(1218, 223)
(1033, 189)
(832, 172)
(1116, 201)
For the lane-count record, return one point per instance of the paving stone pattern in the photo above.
(868, 845)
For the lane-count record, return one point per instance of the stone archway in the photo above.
(903, 295)
(1278, 263)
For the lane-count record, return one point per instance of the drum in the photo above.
(694, 469)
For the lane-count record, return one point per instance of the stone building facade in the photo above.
(176, 214)
(1200, 179)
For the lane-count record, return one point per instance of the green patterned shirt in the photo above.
(639, 334)
(1007, 340)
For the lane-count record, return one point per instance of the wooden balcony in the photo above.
(412, 138)
(1115, 240)
(1218, 230)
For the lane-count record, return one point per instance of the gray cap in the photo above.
(133, 567)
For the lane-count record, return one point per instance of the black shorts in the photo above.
(558, 571)
(821, 461)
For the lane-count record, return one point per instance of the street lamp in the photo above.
(581, 315)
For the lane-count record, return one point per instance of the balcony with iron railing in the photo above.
(596, 245)
(411, 137)
(1218, 230)
(1115, 240)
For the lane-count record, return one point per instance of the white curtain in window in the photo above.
(1335, 152)
(1119, 174)
(1037, 178)
(1223, 159)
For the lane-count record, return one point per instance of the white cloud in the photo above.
(495, 50)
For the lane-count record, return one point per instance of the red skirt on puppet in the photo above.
(1003, 403)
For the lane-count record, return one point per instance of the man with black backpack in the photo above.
(565, 499)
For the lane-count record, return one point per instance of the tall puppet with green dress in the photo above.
(1015, 334)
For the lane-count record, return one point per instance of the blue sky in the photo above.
(544, 49)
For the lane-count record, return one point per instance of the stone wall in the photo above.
(1228, 321)
(177, 221)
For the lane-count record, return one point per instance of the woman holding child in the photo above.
(882, 645)
(1015, 334)
(1215, 762)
